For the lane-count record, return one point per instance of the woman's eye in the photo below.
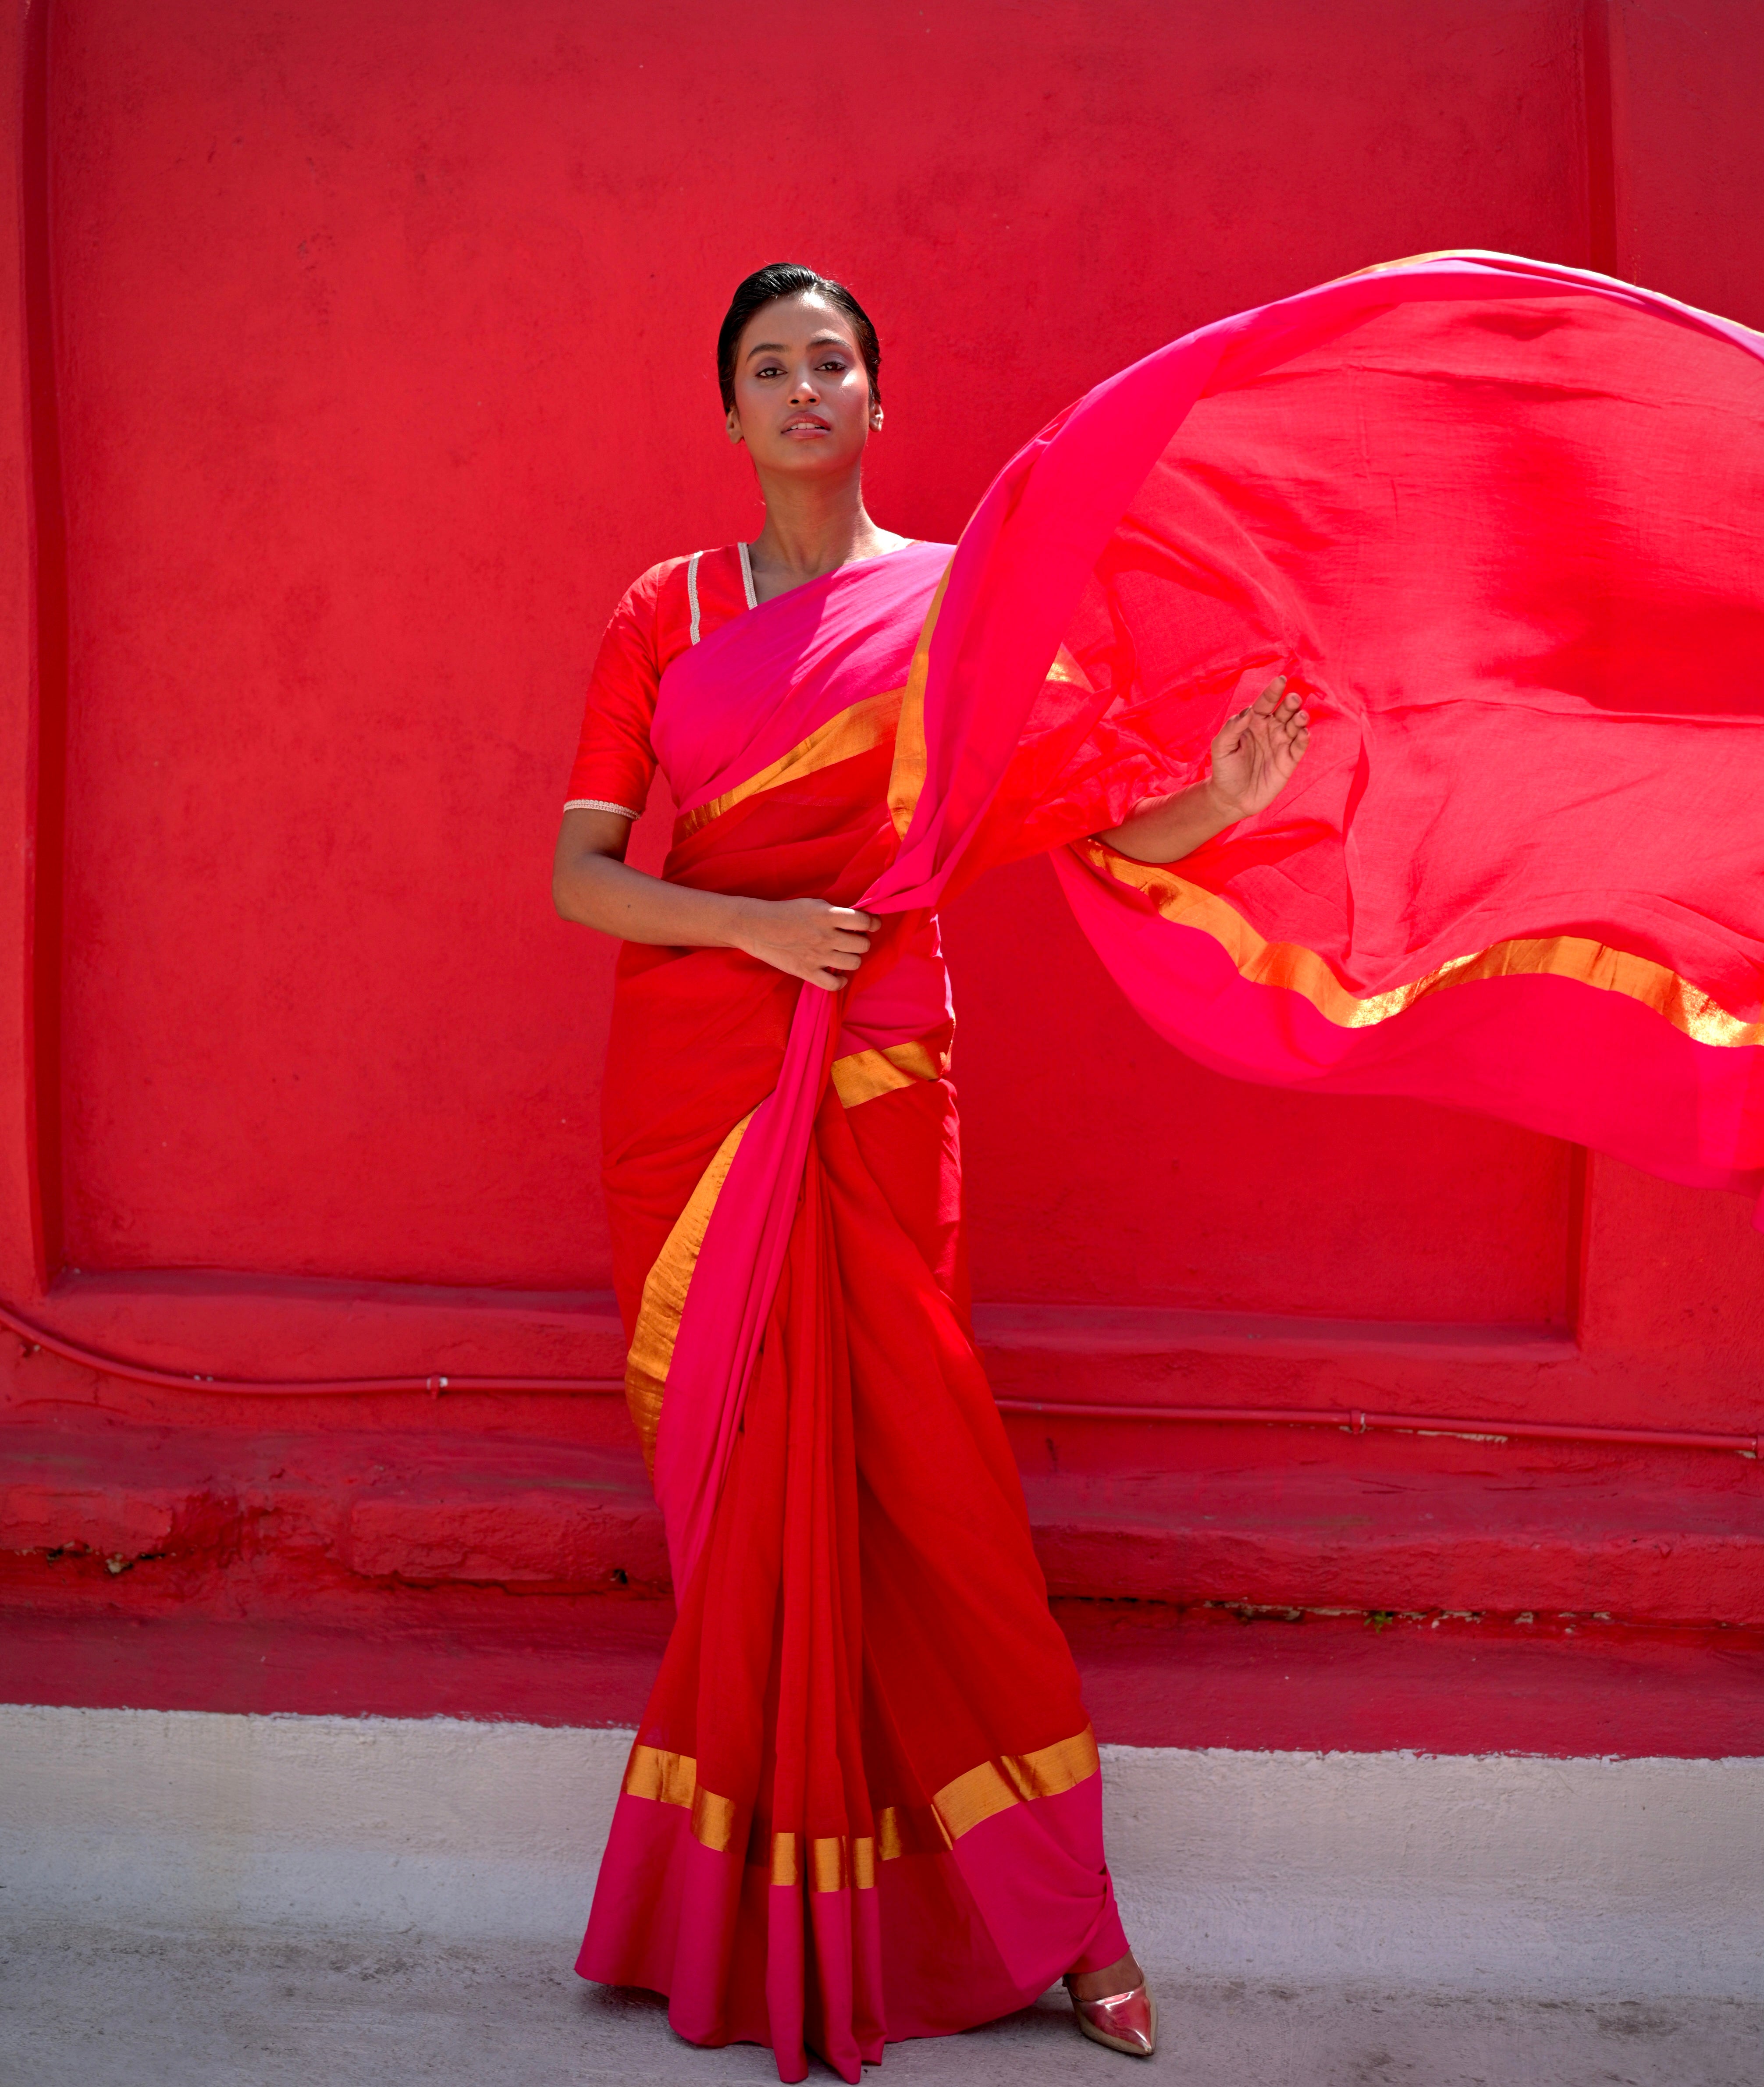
(769, 370)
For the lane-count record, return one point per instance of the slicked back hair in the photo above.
(785, 279)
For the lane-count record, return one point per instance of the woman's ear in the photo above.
(734, 428)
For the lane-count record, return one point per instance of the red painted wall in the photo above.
(364, 354)
(383, 350)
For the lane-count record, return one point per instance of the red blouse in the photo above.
(672, 606)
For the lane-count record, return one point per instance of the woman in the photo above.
(863, 1802)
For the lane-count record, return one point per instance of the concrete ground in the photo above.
(283, 2007)
(195, 1899)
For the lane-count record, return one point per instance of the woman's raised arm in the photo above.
(591, 883)
(1253, 756)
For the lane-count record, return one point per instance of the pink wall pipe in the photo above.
(1355, 1420)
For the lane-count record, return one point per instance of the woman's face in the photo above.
(802, 394)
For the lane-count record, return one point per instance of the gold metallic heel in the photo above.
(1124, 2021)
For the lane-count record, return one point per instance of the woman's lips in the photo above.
(807, 427)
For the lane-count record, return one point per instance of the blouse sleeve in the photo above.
(614, 761)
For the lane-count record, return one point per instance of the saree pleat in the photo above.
(888, 1749)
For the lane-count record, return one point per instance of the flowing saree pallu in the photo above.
(1500, 522)
(1503, 524)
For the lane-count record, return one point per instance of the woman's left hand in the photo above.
(1258, 749)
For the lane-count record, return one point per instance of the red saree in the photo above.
(1500, 523)
(863, 1802)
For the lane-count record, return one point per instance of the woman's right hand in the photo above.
(806, 937)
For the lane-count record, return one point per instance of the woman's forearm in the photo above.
(1166, 829)
(591, 883)
(600, 891)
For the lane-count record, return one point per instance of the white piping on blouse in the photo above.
(624, 811)
(692, 586)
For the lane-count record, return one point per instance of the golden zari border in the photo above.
(995, 1786)
(847, 1862)
(666, 1778)
(906, 779)
(863, 1075)
(664, 1297)
(1289, 965)
(866, 725)
(843, 1862)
